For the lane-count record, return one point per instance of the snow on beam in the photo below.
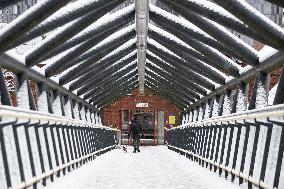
(102, 70)
(105, 26)
(111, 99)
(65, 33)
(219, 62)
(63, 16)
(98, 54)
(109, 82)
(87, 82)
(199, 68)
(189, 33)
(171, 84)
(29, 19)
(178, 85)
(164, 92)
(217, 14)
(269, 62)
(13, 61)
(254, 19)
(192, 90)
(118, 89)
(190, 77)
(100, 94)
(122, 72)
(218, 32)
(71, 59)
(104, 65)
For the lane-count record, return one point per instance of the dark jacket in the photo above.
(135, 129)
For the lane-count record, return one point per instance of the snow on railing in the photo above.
(36, 147)
(246, 145)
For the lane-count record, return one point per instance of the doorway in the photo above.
(147, 120)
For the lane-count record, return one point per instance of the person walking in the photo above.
(135, 131)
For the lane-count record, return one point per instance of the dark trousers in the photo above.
(136, 143)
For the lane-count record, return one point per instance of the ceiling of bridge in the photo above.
(189, 53)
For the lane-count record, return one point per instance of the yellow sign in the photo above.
(172, 120)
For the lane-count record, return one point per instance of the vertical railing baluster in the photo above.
(259, 98)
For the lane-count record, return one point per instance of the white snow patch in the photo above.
(117, 169)
(214, 8)
(178, 20)
(261, 97)
(271, 95)
(266, 52)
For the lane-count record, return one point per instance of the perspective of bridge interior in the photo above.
(204, 78)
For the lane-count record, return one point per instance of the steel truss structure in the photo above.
(91, 59)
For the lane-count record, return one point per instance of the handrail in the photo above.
(14, 112)
(276, 110)
(47, 174)
(259, 183)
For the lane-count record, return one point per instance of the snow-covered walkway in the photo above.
(153, 167)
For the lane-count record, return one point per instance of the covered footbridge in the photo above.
(87, 54)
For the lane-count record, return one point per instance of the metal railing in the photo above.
(38, 147)
(247, 146)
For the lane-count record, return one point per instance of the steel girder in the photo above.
(183, 97)
(171, 58)
(194, 92)
(68, 60)
(113, 92)
(193, 38)
(100, 72)
(255, 20)
(96, 98)
(182, 51)
(92, 61)
(208, 11)
(117, 96)
(165, 96)
(61, 37)
(116, 75)
(169, 84)
(177, 77)
(164, 93)
(95, 76)
(109, 82)
(268, 65)
(195, 65)
(220, 34)
(64, 16)
(99, 32)
(180, 72)
(28, 20)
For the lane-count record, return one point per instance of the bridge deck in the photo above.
(153, 167)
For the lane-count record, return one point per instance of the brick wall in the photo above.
(156, 103)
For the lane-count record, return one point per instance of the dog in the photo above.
(124, 148)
